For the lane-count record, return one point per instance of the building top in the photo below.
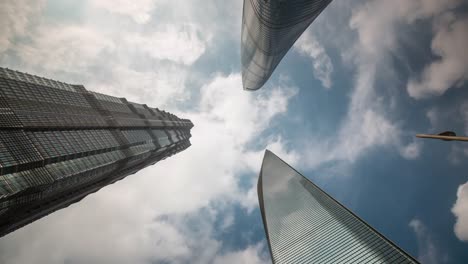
(269, 29)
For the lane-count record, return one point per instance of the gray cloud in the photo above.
(15, 18)
(428, 252)
(451, 69)
(322, 65)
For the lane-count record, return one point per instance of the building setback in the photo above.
(269, 29)
(303, 224)
(61, 142)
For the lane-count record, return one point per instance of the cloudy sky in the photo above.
(342, 107)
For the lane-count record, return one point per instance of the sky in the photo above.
(342, 107)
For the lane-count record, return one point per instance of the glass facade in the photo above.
(303, 224)
(269, 29)
(60, 142)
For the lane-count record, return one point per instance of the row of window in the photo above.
(108, 98)
(15, 75)
(134, 136)
(47, 107)
(46, 120)
(142, 110)
(42, 119)
(66, 174)
(60, 143)
(19, 181)
(34, 92)
(134, 160)
(19, 147)
(8, 119)
(116, 107)
(73, 167)
(79, 179)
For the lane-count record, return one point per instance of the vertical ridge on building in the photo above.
(269, 29)
(303, 224)
(60, 142)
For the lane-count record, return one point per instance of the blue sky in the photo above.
(342, 107)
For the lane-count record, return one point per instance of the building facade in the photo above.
(303, 224)
(61, 142)
(269, 29)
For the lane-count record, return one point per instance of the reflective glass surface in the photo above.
(306, 225)
(269, 29)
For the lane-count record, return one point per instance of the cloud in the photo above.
(64, 48)
(154, 66)
(139, 11)
(460, 210)
(159, 86)
(451, 67)
(178, 43)
(373, 118)
(166, 213)
(377, 21)
(449, 117)
(15, 18)
(365, 126)
(250, 255)
(322, 65)
(428, 252)
(464, 114)
(412, 150)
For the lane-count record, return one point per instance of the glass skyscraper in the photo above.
(269, 29)
(61, 142)
(303, 224)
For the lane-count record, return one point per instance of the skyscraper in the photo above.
(269, 29)
(61, 142)
(303, 224)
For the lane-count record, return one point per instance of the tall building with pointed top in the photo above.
(303, 224)
(61, 142)
(269, 29)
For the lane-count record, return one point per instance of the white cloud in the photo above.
(322, 65)
(250, 255)
(178, 43)
(189, 185)
(365, 127)
(460, 210)
(451, 68)
(154, 66)
(372, 116)
(64, 48)
(161, 86)
(412, 150)
(139, 11)
(428, 252)
(15, 17)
